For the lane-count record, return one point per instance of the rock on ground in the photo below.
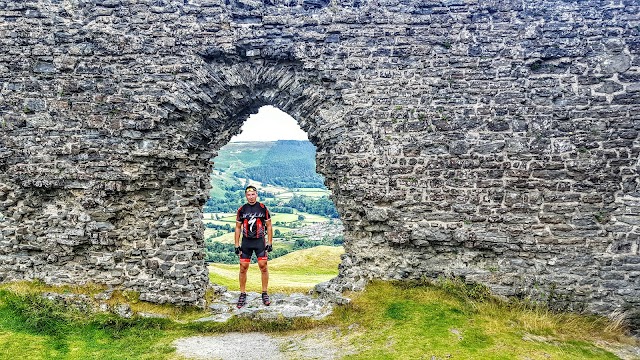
(287, 306)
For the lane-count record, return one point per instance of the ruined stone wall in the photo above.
(493, 140)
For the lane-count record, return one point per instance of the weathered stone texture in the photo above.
(494, 140)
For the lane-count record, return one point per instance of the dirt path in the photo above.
(231, 346)
(326, 344)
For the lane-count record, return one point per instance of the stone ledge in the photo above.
(282, 306)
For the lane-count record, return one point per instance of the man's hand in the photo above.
(268, 248)
(237, 250)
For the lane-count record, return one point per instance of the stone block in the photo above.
(377, 214)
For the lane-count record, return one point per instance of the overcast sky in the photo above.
(270, 124)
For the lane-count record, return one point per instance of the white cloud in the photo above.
(270, 124)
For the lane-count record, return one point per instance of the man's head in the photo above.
(251, 193)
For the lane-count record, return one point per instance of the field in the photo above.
(231, 218)
(295, 272)
(310, 192)
(284, 229)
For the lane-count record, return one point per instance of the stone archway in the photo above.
(240, 89)
(490, 140)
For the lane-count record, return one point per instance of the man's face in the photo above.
(252, 196)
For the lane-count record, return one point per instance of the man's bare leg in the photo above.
(265, 274)
(244, 266)
(265, 281)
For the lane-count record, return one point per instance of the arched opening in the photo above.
(201, 116)
(274, 154)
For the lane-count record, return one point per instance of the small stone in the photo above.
(218, 289)
(615, 63)
(609, 87)
(219, 308)
(105, 295)
(457, 333)
(123, 310)
(152, 315)
(377, 214)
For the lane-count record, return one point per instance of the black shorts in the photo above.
(251, 245)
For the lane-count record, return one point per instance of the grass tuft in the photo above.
(117, 327)
(451, 319)
(38, 286)
(34, 327)
(245, 325)
(38, 315)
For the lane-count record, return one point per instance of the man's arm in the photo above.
(270, 232)
(237, 234)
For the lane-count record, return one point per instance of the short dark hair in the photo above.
(250, 188)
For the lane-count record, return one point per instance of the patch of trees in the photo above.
(280, 209)
(288, 164)
(218, 252)
(320, 206)
(230, 203)
(225, 227)
(283, 174)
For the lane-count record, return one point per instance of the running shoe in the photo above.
(265, 299)
(242, 300)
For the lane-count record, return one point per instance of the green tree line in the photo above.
(225, 253)
(318, 206)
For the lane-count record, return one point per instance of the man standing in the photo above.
(253, 222)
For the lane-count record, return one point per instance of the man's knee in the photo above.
(244, 267)
(263, 266)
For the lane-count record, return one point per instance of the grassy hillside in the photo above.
(279, 166)
(235, 157)
(238, 156)
(294, 272)
(288, 163)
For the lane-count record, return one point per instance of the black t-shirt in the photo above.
(253, 219)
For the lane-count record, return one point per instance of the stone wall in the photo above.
(494, 140)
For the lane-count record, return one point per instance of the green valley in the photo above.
(303, 215)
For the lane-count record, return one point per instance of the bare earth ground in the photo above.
(324, 344)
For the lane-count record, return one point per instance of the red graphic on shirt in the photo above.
(253, 217)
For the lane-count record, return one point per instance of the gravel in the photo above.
(231, 346)
(326, 344)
